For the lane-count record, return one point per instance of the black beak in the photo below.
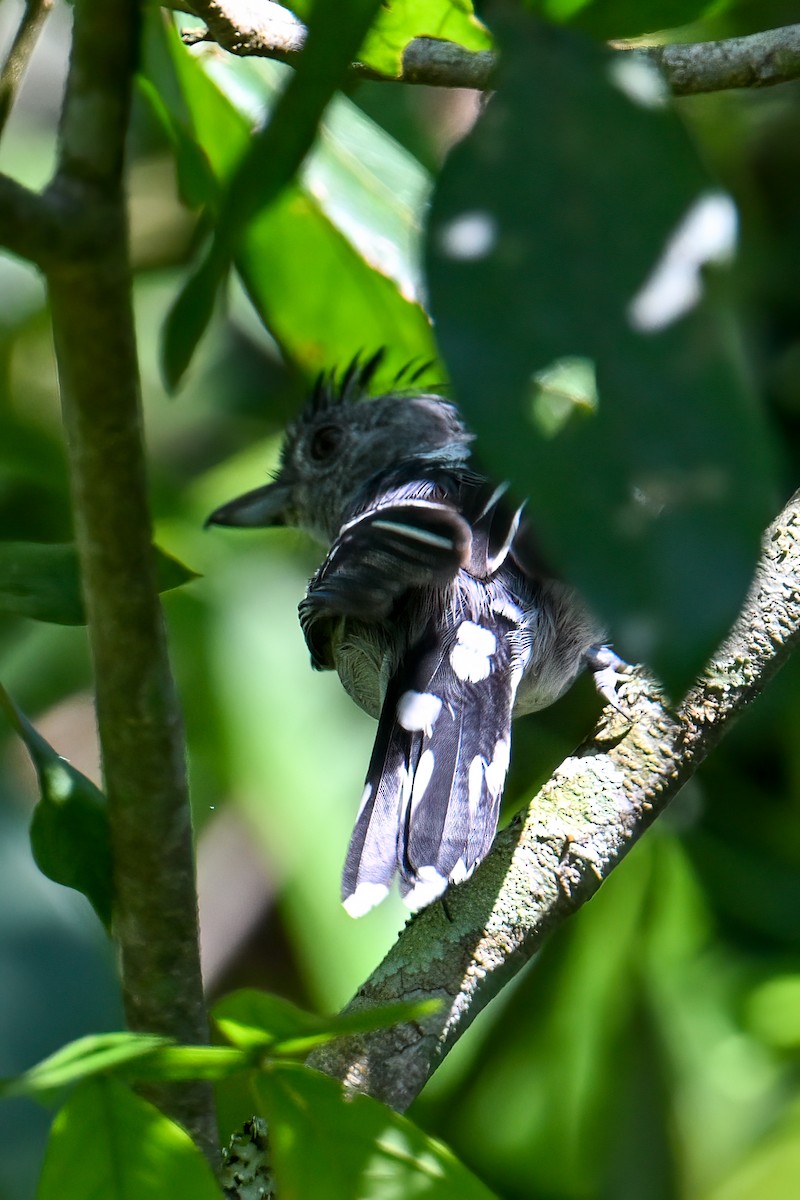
(263, 507)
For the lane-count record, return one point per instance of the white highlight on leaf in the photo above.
(638, 79)
(417, 711)
(469, 237)
(430, 886)
(706, 234)
(471, 655)
(422, 777)
(365, 897)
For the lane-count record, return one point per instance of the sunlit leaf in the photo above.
(330, 1147)
(332, 267)
(108, 1144)
(403, 20)
(69, 833)
(250, 1018)
(272, 157)
(543, 249)
(81, 1059)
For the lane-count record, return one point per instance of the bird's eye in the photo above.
(325, 442)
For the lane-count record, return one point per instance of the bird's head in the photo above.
(340, 442)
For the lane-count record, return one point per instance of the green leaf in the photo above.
(403, 20)
(273, 157)
(43, 581)
(330, 1147)
(189, 316)
(551, 227)
(107, 1144)
(250, 1018)
(352, 308)
(351, 222)
(81, 1059)
(69, 829)
(770, 1171)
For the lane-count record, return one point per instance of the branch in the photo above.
(19, 54)
(759, 60)
(155, 915)
(266, 30)
(28, 225)
(585, 819)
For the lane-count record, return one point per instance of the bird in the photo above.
(436, 610)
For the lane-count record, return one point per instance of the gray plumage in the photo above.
(434, 610)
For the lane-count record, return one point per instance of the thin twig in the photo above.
(577, 829)
(19, 54)
(245, 27)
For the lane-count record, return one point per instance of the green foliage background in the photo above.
(652, 1049)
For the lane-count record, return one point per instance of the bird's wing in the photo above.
(398, 544)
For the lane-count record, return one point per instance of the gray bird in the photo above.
(436, 613)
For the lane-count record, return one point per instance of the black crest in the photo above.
(333, 388)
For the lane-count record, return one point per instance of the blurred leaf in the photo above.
(773, 1011)
(43, 581)
(81, 1059)
(626, 18)
(107, 1143)
(197, 184)
(172, 1064)
(189, 316)
(771, 1171)
(250, 1018)
(654, 505)
(403, 20)
(270, 161)
(351, 221)
(69, 832)
(544, 1075)
(328, 1146)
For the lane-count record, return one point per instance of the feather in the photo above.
(439, 764)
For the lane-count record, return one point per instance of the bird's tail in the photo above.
(432, 793)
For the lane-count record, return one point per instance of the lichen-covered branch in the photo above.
(463, 949)
(759, 60)
(268, 30)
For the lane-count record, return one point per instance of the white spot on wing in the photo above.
(417, 711)
(460, 872)
(471, 655)
(496, 770)
(365, 897)
(706, 234)
(364, 799)
(422, 777)
(430, 886)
